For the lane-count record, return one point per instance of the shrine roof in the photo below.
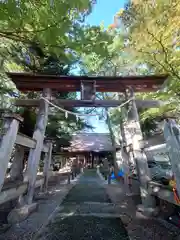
(87, 142)
(36, 82)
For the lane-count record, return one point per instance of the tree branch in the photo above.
(154, 57)
(165, 52)
(28, 42)
(28, 31)
(34, 31)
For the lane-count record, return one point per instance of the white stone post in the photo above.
(139, 155)
(16, 172)
(84, 163)
(46, 170)
(35, 154)
(124, 154)
(7, 141)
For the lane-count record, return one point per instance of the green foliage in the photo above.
(6, 88)
(153, 41)
(45, 37)
(55, 27)
(148, 126)
(146, 42)
(50, 37)
(45, 22)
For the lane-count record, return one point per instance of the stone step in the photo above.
(91, 207)
(124, 218)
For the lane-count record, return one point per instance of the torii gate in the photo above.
(88, 86)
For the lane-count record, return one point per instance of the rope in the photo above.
(80, 114)
(67, 111)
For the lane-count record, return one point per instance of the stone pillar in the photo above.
(126, 169)
(17, 167)
(125, 157)
(35, 154)
(64, 161)
(69, 178)
(74, 166)
(78, 164)
(109, 178)
(46, 170)
(7, 141)
(84, 163)
(139, 155)
(106, 168)
(172, 137)
(92, 160)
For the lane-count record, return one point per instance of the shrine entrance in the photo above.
(89, 192)
(88, 87)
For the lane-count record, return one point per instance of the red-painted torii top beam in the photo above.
(35, 82)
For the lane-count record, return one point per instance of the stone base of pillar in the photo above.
(19, 214)
(148, 211)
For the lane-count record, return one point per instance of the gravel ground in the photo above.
(87, 190)
(88, 213)
(86, 228)
(29, 227)
(87, 197)
(140, 227)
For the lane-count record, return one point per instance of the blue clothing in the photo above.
(120, 174)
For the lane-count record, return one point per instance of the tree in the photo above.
(50, 24)
(47, 37)
(34, 33)
(55, 27)
(153, 42)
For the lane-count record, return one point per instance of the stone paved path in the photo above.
(87, 213)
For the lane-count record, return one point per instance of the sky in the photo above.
(104, 11)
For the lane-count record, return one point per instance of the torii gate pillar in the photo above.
(133, 126)
(35, 154)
